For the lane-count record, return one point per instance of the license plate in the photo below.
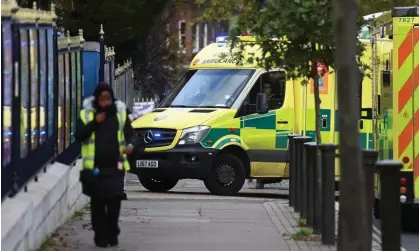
(147, 163)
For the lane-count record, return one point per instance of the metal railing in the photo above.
(124, 83)
(42, 89)
(41, 85)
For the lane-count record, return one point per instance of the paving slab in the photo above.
(184, 225)
(189, 218)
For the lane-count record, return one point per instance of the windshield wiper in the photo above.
(180, 106)
(212, 106)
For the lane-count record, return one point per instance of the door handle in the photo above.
(282, 122)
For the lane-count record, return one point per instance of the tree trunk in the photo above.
(353, 224)
(317, 102)
(314, 74)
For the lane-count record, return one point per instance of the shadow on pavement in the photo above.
(240, 195)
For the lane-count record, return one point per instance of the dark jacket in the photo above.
(110, 180)
(107, 152)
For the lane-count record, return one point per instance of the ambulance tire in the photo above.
(156, 184)
(376, 209)
(213, 183)
(410, 219)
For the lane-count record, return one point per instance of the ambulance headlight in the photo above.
(193, 135)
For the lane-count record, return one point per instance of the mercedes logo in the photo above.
(148, 137)
(160, 118)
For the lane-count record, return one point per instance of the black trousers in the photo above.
(105, 216)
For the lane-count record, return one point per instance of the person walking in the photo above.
(106, 136)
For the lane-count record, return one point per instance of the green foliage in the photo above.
(305, 234)
(78, 215)
(126, 22)
(303, 31)
(301, 222)
(46, 245)
(374, 6)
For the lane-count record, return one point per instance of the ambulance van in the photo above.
(226, 121)
(395, 68)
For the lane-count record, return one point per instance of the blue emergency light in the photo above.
(221, 41)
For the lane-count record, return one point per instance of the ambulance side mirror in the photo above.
(262, 103)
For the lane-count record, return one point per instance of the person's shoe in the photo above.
(101, 243)
(113, 242)
(124, 196)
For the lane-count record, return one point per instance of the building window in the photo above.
(200, 37)
(205, 35)
(213, 34)
(196, 39)
(182, 34)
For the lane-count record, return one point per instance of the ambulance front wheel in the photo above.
(227, 175)
(376, 209)
(157, 184)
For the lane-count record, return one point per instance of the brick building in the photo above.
(192, 37)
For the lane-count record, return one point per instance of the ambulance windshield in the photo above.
(217, 88)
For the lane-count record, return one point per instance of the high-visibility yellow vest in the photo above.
(88, 147)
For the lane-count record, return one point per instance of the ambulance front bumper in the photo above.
(181, 162)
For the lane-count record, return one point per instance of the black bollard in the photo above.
(304, 185)
(291, 164)
(317, 193)
(328, 193)
(295, 172)
(389, 171)
(369, 158)
(293, 180)
(298, 172)
(311, 165)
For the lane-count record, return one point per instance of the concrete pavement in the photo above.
(191, 219)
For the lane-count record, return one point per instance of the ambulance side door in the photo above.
(266, 134)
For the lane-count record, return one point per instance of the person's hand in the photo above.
(100, 117)
(128, 149)
(131, 117)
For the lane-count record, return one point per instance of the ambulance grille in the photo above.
(155, 137)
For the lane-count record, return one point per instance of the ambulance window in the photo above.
(362, 75)
(273, 84)
(386, 78)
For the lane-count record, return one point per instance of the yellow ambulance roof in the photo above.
(218, 55)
